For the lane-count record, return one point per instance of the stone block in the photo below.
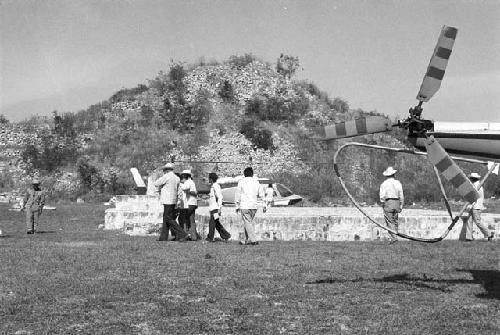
(144, 214)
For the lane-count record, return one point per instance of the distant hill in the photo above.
(208, 117)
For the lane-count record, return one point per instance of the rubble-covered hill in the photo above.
(206, 117)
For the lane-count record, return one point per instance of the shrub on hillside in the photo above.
(49, 153)
(340, 105)
(176, 76)
(64, 125)
(225, 118)
(147, 114)
(180, 115)
(128, 93)
(259, 136)
(102, 178)
(226, 91)
(7, 181)
(287, 65)
(159, 83)
(240, 62)
(277, 108)
(3, 120)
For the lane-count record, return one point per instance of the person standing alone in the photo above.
(246, 202)
(214, 206)
(475, 211)
(33, 203)
(392, 199)
(169, 184)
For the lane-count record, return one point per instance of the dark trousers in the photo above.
(391, 212)
(187, 221)
(32, 219)
(215, 224)
(169, 223)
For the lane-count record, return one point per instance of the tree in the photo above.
(287, 65)
(226, 91)
(3, 119)
(340, 105)
(49, 153)
(239, 62)
(147, 114)
(259, 136)
(176, 76)
(86, 172)
(64, 125)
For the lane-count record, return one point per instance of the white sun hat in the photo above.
(389, 171)
(168, 166)
(186, 172)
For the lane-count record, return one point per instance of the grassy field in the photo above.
(75, 279)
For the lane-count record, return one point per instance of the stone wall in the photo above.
(142, 215)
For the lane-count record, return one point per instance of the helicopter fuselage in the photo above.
(470, 140)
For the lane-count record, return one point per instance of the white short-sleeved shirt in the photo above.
(391, 189)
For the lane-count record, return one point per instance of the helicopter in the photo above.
(471, 142)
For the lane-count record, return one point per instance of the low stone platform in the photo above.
(142, 215)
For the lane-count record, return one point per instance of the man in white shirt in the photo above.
(188, 202)
(475, 211)
(214, 206)
(392, 199)
(169, 184)
(246, 202)
(269, 195)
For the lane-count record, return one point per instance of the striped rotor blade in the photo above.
(437, 66)
(450, 170)
(356, 127)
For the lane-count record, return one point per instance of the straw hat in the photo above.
(168, 166)
(188, 172)
(389, 171)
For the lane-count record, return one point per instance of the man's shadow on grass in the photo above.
(489, 279)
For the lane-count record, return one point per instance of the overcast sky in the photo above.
(66, 55)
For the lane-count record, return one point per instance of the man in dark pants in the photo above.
(169, 184)
(392, 199)
(33, 203)
(214, 206)
(188, 203)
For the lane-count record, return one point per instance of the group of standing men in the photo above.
(178, 195)
(179, 199)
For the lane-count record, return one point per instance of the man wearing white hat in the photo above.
(188, 202)
(392, 199)
(475, 211)
(169, 184)
(33, 203)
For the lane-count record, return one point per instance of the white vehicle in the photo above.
(282, 196)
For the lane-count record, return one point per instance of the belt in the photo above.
(392, 199)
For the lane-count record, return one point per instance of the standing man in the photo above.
(269, 195)
(169, 184)
(33, 203)
(392, 199)
(246, 202)
(188, 204)
(475, 211)
(214, 206)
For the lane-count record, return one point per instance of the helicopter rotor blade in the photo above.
(450, 170)
(437, 65)
(356, 127)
